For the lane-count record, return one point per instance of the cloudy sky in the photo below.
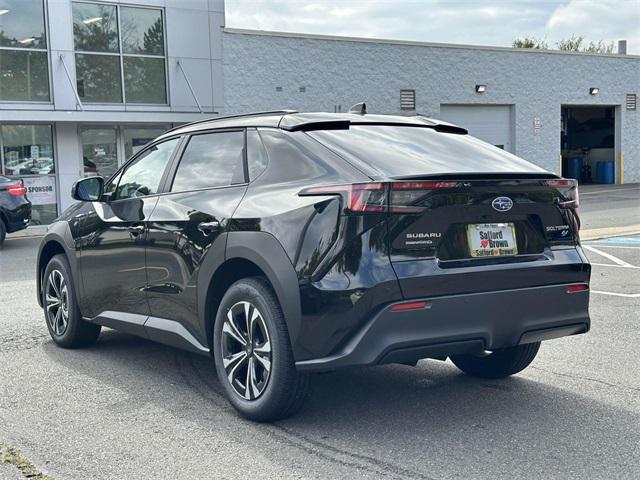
(489, 22)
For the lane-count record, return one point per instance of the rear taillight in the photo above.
(360, 197)
(17, 190)
(378, 197)
(568, 189)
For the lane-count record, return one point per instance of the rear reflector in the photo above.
(578, 287)
(17, 190)
(401, 307)
(568, 188)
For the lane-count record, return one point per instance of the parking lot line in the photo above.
(616, 294)
(607, 256)
(615, 266)
(601, 245)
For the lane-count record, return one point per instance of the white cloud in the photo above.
(489, 22)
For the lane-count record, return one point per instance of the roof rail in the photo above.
(212, 119)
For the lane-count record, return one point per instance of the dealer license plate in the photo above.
(492, 239)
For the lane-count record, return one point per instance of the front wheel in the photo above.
(61, 311)
(252, 353)
(500, 363)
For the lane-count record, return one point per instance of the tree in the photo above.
(526, 42)
(576, 43)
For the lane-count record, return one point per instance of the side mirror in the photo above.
(88, 189)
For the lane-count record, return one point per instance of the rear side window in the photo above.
(407, 151)
(211, 160)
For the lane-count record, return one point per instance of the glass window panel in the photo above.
(98, 78)
(27, 150)
(99, 151)
(211, 160)
(144, 80)
(136, 138)
(22, 24)
(24, 76)
(28, 154)
(143, 176)
(95, 27)
(142, 31)
(257, 159)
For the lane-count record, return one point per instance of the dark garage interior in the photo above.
(588, 143)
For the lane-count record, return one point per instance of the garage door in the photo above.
(491, 123)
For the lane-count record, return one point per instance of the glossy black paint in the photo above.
(158, 265)
(15, 211)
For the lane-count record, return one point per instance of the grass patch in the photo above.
(14, 457)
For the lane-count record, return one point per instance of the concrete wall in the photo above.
(338, 71)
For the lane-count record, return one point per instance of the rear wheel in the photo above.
(498, 364)
(253, 355)
(61, 311)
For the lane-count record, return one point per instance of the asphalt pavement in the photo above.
(128, 408)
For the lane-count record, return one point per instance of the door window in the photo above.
(211, 160)
(143, 176)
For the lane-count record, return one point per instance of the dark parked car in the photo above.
(287, 243)
(15, 209)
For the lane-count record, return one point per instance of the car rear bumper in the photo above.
(18, 218)
(459, 324)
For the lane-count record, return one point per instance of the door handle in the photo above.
(208, 227)
(136, 230)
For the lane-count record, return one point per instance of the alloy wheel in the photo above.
(246, 350)
(57, 302)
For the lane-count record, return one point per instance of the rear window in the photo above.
(398, 151)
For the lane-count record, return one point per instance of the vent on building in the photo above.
(632, 99)
(407, 99)
(303, 89)
(278, 89)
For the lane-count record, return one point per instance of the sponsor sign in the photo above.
(41, 190)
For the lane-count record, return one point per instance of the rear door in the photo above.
(202, 192)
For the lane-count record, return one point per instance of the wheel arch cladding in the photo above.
(249, 254)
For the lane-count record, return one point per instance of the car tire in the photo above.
(242, 353)
(3, 232)
(500, 363)
(61, 311)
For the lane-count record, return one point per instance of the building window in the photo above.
(99, 151)
(407, 99)
(24, 64)
(27, 153)
(120, 54)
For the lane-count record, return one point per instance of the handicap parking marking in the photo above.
(632, 240)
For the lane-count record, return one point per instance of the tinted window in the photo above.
(143, 176)
(257, 159)
(399, 151)
(211, 160)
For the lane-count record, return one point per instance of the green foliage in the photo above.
(526, 42)
(576, 43)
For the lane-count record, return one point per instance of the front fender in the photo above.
(58, 237)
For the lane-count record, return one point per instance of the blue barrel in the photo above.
(608, 172)
(599, 172)
(575, 168)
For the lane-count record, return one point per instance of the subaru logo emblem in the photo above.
(502, 204)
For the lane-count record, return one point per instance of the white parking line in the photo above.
(615, 294)
(616, 266)
(601, 245)
(608, 256)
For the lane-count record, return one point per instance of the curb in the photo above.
(598, 233)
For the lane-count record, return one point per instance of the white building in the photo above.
(84, 84)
